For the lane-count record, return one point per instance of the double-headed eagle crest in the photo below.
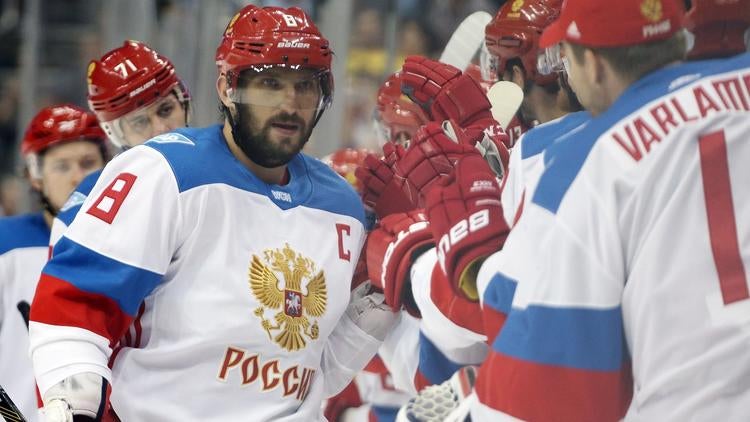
(294, 307)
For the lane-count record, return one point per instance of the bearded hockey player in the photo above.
(228, 248)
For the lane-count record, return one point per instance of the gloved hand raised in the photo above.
(467, 222)
(444, 92)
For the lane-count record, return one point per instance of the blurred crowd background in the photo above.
(46, 45)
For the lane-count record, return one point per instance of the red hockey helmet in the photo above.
(396, 114)
(260, 38)
(56, 125)
(719, 27)
(128, 78)
(514, 33)
(221, 53)
(345, 161)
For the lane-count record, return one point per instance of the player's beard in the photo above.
(255, 141)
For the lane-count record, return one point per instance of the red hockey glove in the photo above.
(467, 222)
(391, 249)
(380, 192)
(491, 141)
(444, 92)
(431, 155)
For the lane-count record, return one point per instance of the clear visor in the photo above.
(551, 60)
(276, 86)
(134, 128)
(488, 65)
(382, 131)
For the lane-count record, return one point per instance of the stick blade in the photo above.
(506, 98)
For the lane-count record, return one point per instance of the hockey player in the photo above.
(625, 296)
(231, 249)
(512, 43)
(397, 119)
(136, 94)
(61, 145)
(451, 325)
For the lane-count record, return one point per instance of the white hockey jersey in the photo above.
(233, 289)
(23, 253)
(625, 277)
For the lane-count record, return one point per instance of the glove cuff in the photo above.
(389, 260)
(83, 394)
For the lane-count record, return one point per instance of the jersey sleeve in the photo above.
(347, 351)
(112, 256)
(451, 332)
(400, 352)
(561, 353)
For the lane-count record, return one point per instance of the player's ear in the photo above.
(222, 89)
(35, 183)
(594, 66)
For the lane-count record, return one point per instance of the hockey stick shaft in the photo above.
(466, 40)
(8, 409)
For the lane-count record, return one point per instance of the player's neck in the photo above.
(272, 175)
(48, 218)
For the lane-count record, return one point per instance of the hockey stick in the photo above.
(466, 40)
(8, 409)
(506, 98)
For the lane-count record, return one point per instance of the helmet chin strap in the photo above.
(47, 205)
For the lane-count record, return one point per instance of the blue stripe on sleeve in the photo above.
(578, 338)
(499, 293)
(433, 364)
(94, 273)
